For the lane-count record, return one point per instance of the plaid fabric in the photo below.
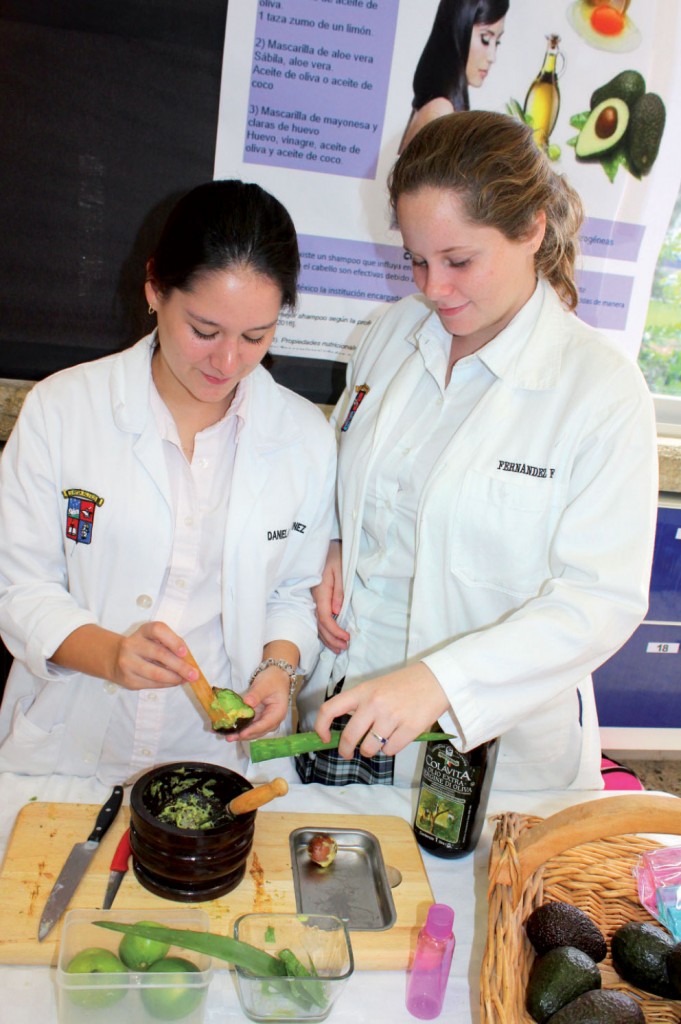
(329, 768)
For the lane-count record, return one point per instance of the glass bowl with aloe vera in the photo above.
(316, 954)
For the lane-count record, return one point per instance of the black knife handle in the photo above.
(107, 815)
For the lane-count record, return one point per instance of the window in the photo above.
(660, 355)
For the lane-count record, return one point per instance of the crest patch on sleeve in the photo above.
(80, 514)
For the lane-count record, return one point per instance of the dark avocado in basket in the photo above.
(561, 924)
(557, 978)
(600, 1007)
(674, 967)
(639, 955)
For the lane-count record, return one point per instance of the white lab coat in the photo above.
(90, 428)
(534, 535)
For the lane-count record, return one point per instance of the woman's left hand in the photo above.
(268, 695)
(395, 707)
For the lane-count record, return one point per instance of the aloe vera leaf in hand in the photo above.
(271, 747)
(222, 947)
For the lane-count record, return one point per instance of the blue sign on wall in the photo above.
(640, 686)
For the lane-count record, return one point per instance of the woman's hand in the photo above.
(270, 692)
(150, 658)
(395, 707)
(268, 695)
(328, 598)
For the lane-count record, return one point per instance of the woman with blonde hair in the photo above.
(497, 484)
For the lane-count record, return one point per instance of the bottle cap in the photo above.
(440, 920)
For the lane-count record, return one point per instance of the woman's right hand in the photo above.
(150, 658)
(328, 598)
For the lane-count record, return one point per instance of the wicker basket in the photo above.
(583, 856)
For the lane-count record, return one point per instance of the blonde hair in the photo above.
(503, 179)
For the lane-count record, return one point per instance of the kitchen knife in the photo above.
(119, 867)
(76, 865)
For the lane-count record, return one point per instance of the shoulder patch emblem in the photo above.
(80, 514)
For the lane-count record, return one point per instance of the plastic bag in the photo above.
(658, 877)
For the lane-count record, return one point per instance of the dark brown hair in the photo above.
(225, 225)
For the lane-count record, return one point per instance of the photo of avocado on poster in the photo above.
(318, 96)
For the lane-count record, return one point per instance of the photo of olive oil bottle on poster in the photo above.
(621, 123)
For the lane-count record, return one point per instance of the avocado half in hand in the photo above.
(231, 708)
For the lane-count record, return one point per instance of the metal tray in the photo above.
(354, 887)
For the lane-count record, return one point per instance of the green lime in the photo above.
(91, 964)
(176, 999)
(139, 954)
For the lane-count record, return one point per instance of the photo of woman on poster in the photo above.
(459, 53)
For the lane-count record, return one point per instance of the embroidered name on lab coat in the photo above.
(522, 467)
(283, 534)
(80, 514)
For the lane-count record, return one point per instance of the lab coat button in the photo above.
(88, 758)
(202, 463)
(188, 521)
(144, 601)
(110, 687)
(180, 584)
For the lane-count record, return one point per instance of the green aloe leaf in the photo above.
(222, 947)
(306, 742)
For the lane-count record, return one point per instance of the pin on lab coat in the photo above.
(534, 535)
(89, 428)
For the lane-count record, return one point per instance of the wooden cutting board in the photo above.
(45, 832)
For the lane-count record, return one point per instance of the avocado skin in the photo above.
(561, 924)
(628, 86)
(600, 1007)
(639, 955)
(644, 135)
(557, 978)
(674, 967)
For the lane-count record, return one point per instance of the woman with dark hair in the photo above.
(170, 498)
(461, 48)
(497, 484)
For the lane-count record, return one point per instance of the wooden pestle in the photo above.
(203, 690)
(256, 797)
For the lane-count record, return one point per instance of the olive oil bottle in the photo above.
(542, 102)
(453, 796)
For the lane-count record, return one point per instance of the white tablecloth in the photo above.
(372, 997)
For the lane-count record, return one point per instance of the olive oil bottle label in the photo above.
(448, 794)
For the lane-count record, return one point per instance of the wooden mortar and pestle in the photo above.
(198, 850)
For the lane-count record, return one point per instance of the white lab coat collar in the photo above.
(263, 400)
(523, 355)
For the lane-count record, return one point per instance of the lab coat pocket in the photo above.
(29, 748)
(501, 531)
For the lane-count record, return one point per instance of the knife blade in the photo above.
(76, 865)
(119, 867)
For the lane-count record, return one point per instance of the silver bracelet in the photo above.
(280, 663)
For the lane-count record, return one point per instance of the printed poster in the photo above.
(316, 96)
